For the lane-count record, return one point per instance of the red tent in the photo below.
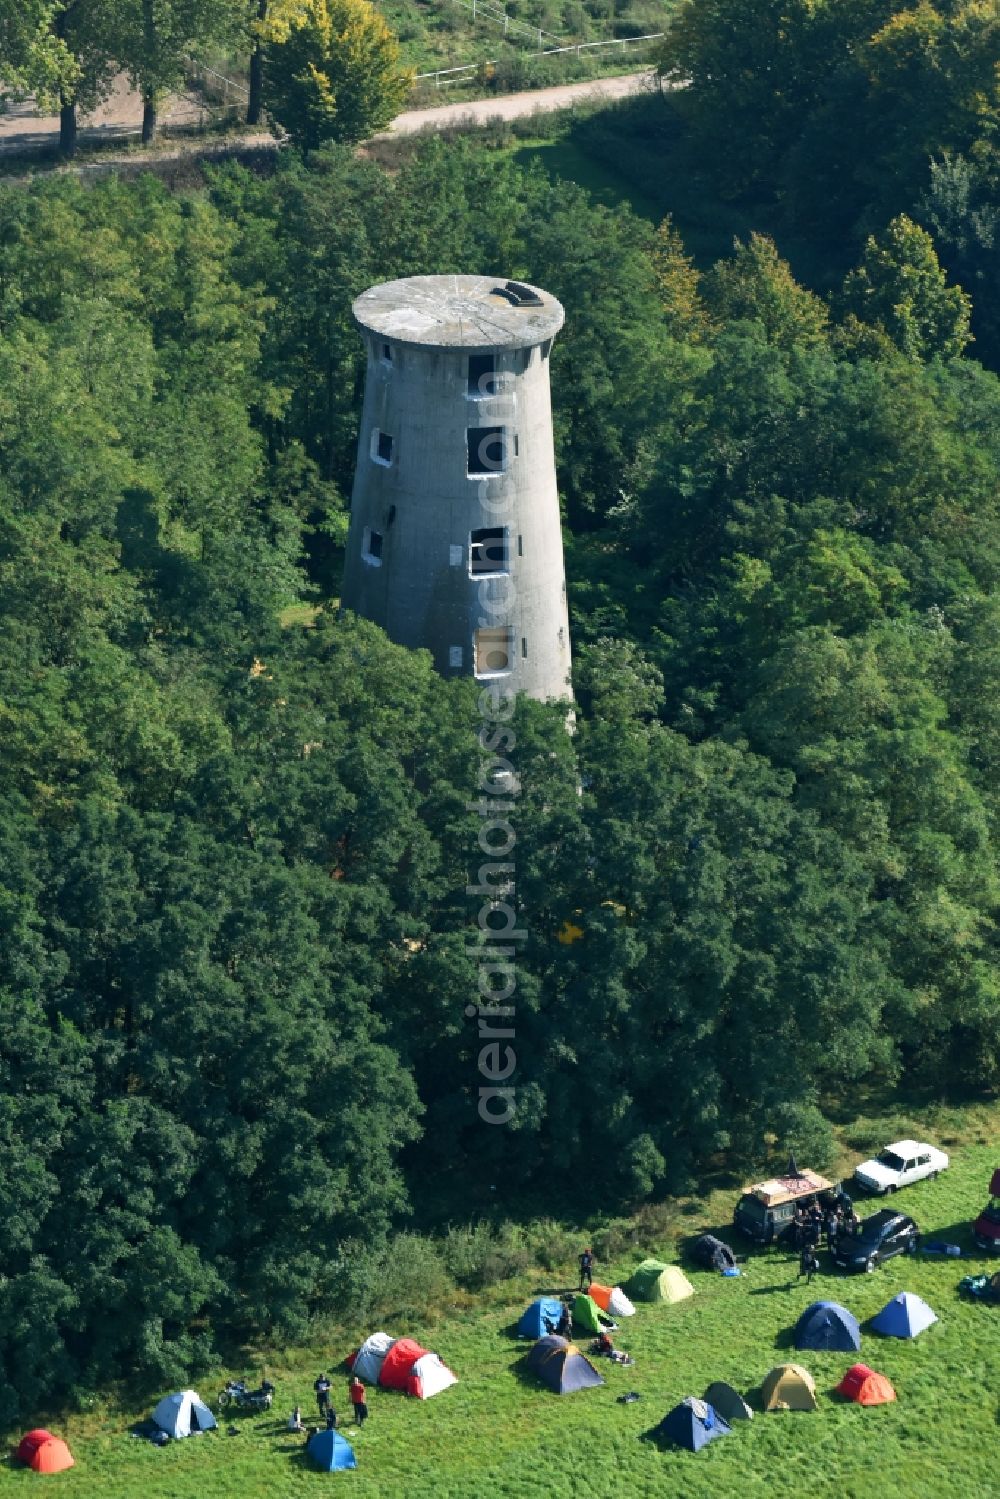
(398, 1364)
(30, 1443)
(865, 1386)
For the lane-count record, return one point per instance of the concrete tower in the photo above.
(454, 542)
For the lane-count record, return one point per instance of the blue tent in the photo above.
(826, 1327)
(692, 1425)
(541, 1317)
(330, 1451)
(903, 1317)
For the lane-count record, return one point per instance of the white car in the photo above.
(899, 1165)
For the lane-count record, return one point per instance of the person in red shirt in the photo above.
(357, 1392)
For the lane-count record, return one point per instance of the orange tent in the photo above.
(865, 1386)
(51, 1457)
(30, 1443)
(600, 1294)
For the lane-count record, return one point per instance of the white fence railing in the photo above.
(227, 83)
(490, 10)
(458, 75)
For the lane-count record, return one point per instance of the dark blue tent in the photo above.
(330, 1451)
(692, 1425)
(829, 1328)
(562, 1366)
(541, 1317)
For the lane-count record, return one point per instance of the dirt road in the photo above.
(120, 117)
(515, 106)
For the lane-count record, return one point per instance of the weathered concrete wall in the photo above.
(424, 505)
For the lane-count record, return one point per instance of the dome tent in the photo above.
(788, 1387)
(541, 1317)
(330, 1451)
(727, 1402)
(183, 1414)
(611, 1299)
(367, 1362)
(587, 1315)
(562, 1366)
(30, 1443)
(414, 1370)
(828, 1327)
(864, 1386)
(429, 1376)
(692, 1424)
(398, 1363)
(44, 1453)
(655, 1281)
(904, 1316)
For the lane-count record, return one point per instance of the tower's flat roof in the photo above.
(460, 312)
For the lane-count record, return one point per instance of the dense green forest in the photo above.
(236, 830)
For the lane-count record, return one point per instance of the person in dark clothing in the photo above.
(322, 1388)
(586, 1269)
(565, 1327)
(331, 1416)
(799, 1228)
(808, 1264)
(832, 1228)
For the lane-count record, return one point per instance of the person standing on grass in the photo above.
(808, 1264)
(358, 1395)
(586, 1269)
(322, 1388)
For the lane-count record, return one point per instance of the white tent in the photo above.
(431, 1376)
(619, 1304)
(183, 1413)
(368, 1362)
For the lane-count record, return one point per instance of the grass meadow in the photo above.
(498, 1433)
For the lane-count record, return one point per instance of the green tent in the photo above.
(655, 1281)
(587, 1315)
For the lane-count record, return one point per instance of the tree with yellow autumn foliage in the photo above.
(332, 72)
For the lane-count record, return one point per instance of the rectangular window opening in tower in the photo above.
(488, 551)
(371, 547)
(487, 451)
(386, 353)
(482, 376)
(494, 651)
(381, 449)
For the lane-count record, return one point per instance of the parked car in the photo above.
(764, 1212)
(900, 1165)
(986, 1229)
(881, 1236)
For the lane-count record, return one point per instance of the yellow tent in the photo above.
(788, 1387)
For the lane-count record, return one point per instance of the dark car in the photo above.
(883, 1235)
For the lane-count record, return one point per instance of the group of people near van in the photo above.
(811, 1223)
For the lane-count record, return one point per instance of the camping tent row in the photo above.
(602, 1304)
(183, 1414)
(43, 1452)
(655, 1281)
(401, 1364)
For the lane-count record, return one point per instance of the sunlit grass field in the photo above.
(498, 1433)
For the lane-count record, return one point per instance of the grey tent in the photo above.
(182, 1414)
(728, 1402)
